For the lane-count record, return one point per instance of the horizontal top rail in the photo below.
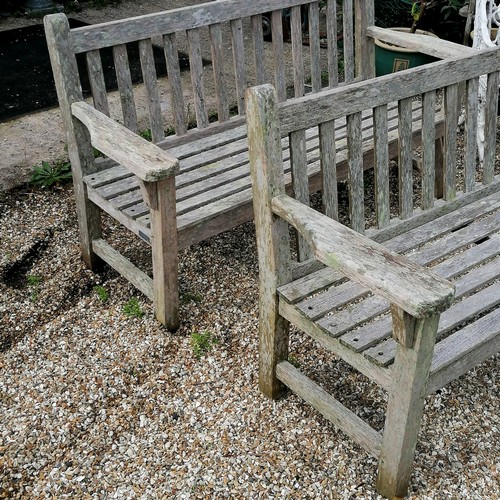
(308, 111)
(172, 21)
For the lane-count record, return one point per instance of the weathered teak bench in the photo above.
(408, 328)
(196, 183)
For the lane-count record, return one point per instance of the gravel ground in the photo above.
(98, 404)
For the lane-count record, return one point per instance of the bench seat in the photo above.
(213, 186)
(463, 247)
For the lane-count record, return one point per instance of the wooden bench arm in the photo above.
(432, 46)
(144, 159)
(411, 287)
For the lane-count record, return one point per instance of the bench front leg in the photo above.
(160, 197)
(416, 339)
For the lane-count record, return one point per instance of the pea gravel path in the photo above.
(95, 404)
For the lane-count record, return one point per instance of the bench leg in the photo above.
(160, 197)
(405, 408)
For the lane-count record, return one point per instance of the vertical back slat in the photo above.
(405, 159)
(258, 47)
(490, 128)
(97, 83)
(278, 53)
(428, 149)
(355, 173)
(300, 183)
(450, 140)
(328, 168)
(196, 64)
(239, 62)
(124, 81)
(331, 34)
(314, 46)
(381, 165)
(174, 80)
(297, 55)
(348, 27)
(151, 84)
(218, 66)
(365, 45)
(471, 116)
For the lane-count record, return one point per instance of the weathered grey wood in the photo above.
(80, 152)
(450, 138)
(381, 156)
(174, 81)
(97, 84)
(405, 408)
(348, 38)
(432, 46)
(151, 84)
(328, 169)
(278, 54)
(219, 78)
(367, 262)
(405, 175)
(330, 408)
(465, 349)
(161, 202)
(239, 62)
(123, 266)
(196, 66)
(300, 183)
(356, 185)
(490, 128)
(175, 20)
(470, 133)
(365, 46)
(334, 103)
(314, 46)
(265, 162)
(297, 53)
(428, 149)
(258, 48)
(146, 160)
(331, 34)
(124, 80)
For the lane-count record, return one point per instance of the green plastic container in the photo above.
(389, 59)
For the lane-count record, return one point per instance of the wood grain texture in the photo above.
(355, 176)
(239, 62)
(297, 51)
(450, 141)
(258, 49)
(219, 74)
(470, 134)
(366, 262)
(97, 84)
(264, 141)
(196, 66)
(428, 149)
(381, 166)
(328, 169)
(146, 160)
(278, 54)
(490, 128)
(124, 80)
(348, 38)
(333, 52)
(314, 46)
(405, 160)
(151, 85)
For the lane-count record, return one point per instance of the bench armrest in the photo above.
(413, 288)
(144, 159)
(432, 46)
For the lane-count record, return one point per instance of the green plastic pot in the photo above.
(389, 58)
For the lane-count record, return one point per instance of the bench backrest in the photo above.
(236, 30)
(402, 199)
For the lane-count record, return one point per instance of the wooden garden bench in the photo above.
(411, 301)
(195, 184)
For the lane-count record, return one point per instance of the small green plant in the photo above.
(294, 361)
(146, 134)
(47, 174)
(203, 342)
(34, 283)
(102, 293)
(133, 309)
(195, 297)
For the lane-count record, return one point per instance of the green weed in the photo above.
(203, 342)
(102, 293)
(133, 309)
(195, 297)
(146, 134)
(34, 283)
(46, 174)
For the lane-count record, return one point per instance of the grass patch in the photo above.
(203, 342)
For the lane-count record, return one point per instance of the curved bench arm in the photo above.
(405, 284)
(144, 159)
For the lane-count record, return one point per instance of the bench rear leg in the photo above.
(406, 404)
(160, 197)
